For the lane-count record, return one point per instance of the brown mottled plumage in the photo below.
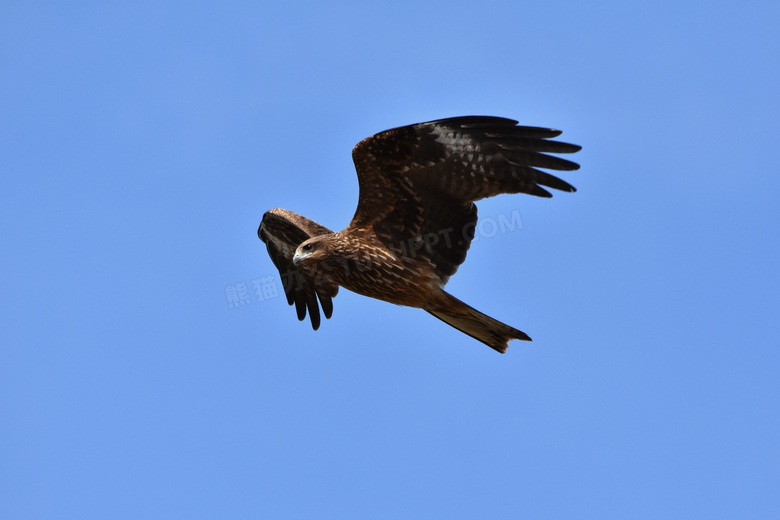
(415, 218)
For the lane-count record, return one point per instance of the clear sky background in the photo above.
(141, 143)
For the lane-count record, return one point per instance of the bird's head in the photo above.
(308, 250)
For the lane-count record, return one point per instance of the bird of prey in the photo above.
(415, 218)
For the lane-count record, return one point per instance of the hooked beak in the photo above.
(297, 258)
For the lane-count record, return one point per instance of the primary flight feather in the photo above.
(415, 218)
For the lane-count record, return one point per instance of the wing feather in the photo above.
(282, 232)
(449, 164)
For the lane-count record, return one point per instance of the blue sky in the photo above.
(140, 144)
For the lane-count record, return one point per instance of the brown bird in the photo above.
(415, 218)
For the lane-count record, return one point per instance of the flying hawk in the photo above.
(415, 218)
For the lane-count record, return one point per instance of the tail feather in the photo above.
(481, 327)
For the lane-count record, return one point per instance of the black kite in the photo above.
(415, 218)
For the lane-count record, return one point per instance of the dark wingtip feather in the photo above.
(533, 131)
(315, 320)
(314, 310)
(551, 181)
(539, 192)
(300, 305)
(474, 121)
(326, 303)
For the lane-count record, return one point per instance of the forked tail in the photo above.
(470, 321)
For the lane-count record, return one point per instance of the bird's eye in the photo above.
(308, 247)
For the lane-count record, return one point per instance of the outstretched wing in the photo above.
(418, 183)
(282, 232)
